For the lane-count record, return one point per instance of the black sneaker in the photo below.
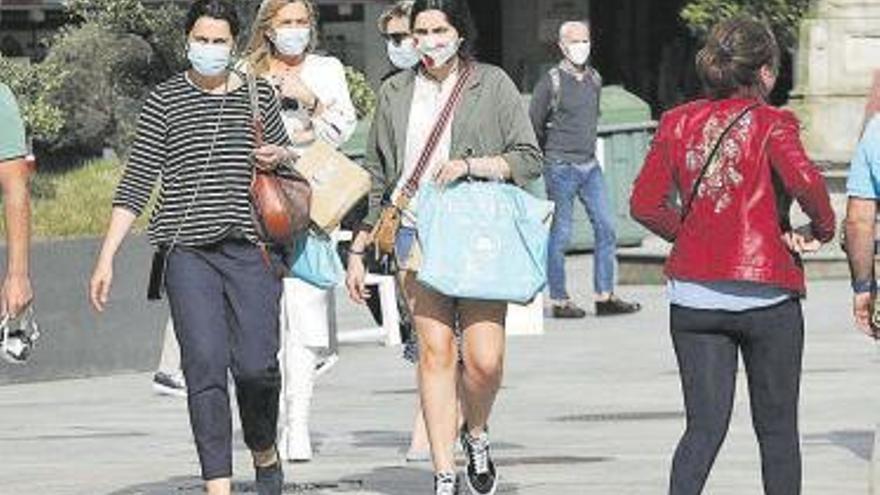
(169, 384)
(445, 484)
(482, 479)
(270, 479)
(616, 306)
(567, 309)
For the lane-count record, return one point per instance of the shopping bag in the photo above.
(337, 183)
(315, 261)
(483, 240)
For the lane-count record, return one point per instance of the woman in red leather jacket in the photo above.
(734, 274)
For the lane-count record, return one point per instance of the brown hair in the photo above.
(399, 9)
(730, 62)
(260, 48)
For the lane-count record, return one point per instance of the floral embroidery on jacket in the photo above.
(722, 176)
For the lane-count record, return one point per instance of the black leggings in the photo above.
(707, 344)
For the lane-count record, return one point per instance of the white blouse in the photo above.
(324, 76)
(429, 98)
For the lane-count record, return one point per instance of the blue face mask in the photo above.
(405, 55)
(208, 59)
(292, 41)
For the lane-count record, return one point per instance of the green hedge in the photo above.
(75, 203)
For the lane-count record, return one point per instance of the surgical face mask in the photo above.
(17, 336)
(208, 59)
(292, 41)
(578, 52)
(404, 55)
(436, 50)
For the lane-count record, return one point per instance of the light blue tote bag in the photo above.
(315, 261)
(483, 240)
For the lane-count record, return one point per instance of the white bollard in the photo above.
(526, 319)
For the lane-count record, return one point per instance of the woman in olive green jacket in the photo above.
(490, 137)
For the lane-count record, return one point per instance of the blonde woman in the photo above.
(316, 104)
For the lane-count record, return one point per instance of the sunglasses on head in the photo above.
(396, 38)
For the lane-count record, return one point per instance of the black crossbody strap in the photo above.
(687, 209)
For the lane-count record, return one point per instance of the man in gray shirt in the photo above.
(565, 114)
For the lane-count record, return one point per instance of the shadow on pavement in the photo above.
(190, 485)
(859, 442)
(406, 481)
(391, 439)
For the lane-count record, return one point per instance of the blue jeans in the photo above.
(564, 181)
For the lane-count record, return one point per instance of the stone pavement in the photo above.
(591, 407)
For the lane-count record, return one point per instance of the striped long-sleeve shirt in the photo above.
(175, 130)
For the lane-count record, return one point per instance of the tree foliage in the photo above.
(159, 26)
(114, 53)
(103, 85)
(783, 16)
(362, 95)
(32, 85)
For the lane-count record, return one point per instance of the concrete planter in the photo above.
(76, 342)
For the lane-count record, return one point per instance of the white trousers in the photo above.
(305, 329)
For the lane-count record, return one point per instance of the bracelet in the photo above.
(863, 286)
(352, 252)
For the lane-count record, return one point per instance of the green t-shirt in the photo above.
(12, 140)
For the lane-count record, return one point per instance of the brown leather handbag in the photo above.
(385, 231)
(280, 199)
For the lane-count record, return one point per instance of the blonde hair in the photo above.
(403, 8)
(260, 48)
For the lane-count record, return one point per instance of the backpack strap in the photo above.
(556, 90)
(595, 77)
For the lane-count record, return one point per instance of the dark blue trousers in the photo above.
(225, 304)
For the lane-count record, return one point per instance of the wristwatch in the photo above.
(314, 106)
(863, 286)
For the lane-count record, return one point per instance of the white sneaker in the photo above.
(413, 455)
(446, 484)
(294, 445)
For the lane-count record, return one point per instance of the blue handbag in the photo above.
(315, 261)
(483, 240)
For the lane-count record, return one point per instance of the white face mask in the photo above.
(291, 41)
(405, 55)
(436, 50)
(578, 53)
(208, 59)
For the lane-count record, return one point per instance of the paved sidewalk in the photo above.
(592, 407)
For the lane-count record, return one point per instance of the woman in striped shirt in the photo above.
(195, 138)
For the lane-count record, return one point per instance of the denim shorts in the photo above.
(407, 249)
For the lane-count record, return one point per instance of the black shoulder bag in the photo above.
(687, 207)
